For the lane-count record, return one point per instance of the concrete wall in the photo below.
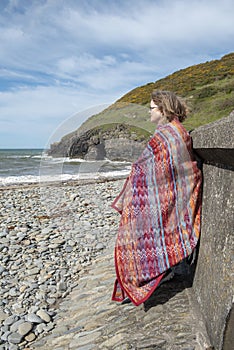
(213, 281)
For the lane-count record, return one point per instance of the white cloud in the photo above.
(39, 111)
(57, 55)
(85, 62)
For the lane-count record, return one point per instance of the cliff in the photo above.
(113, 141)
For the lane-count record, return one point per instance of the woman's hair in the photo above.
(170, 105)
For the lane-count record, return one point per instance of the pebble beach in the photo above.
(48, 235)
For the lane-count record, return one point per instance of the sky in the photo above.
(64, 60)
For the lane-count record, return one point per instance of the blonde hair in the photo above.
(170, 105)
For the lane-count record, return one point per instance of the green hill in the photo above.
(208, 88)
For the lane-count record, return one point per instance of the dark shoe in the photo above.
(126, 301)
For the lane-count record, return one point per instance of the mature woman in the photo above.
(160, 205)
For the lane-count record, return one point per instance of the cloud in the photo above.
(59, 56)
(34, 114)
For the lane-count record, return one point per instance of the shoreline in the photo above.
(72, 182)
(46, 241)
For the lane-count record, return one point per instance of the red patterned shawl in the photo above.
(160, 207)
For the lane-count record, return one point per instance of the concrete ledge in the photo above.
(218, 134)
(213, 286)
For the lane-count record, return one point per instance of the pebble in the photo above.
(14, 327)
(24, 328)
(30, 337)
(44, 316)
(10, 320)
(3, 316)
(15, 338)
(34, 318)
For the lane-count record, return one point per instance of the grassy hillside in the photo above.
(208, 89)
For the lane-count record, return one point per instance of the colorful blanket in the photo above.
(160, 207)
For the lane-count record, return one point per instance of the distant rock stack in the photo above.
(116, 142)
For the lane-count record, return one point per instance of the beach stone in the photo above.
(5, 335)
(100, 246)
(15, 338)
(2, 269)
(49, 326)
(25, 328)
(34, 318)
(3, 316)
(33, 271)
(14, 326)
(13, 347)
(5, 328)
(10, 320)
(62, 286)
(40, 328)
(68, 249)
(44, 315)
(3, 234)
(13, 292)
(30, 337)
(51, 301)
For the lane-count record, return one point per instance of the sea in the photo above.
(23, 166)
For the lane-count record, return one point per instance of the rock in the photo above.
(3, 316)
(62, 286)
(5, 335)
(44, 315)
(49, 327)
(10, 320)
(13, 347)
(13, 292)
(68, 249)
(2, 269)
(15, 338)
(34, 318)
(30, 337)
(25, 328)
(99, 246)
(33, 271)
(14, 326)
(40, 328)
(51, 301)
(118, 142)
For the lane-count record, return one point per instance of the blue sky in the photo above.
(59, 58)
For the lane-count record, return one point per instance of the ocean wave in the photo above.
(37, 157)
(18, 156)
(26, 179)
(47, 158)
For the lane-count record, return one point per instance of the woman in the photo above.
(160, 205)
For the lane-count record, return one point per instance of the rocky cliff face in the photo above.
(113, 141)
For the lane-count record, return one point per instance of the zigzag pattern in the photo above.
(160, 207)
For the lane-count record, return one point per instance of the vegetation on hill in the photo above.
(208, 88)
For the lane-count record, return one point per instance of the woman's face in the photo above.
(156, 116)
